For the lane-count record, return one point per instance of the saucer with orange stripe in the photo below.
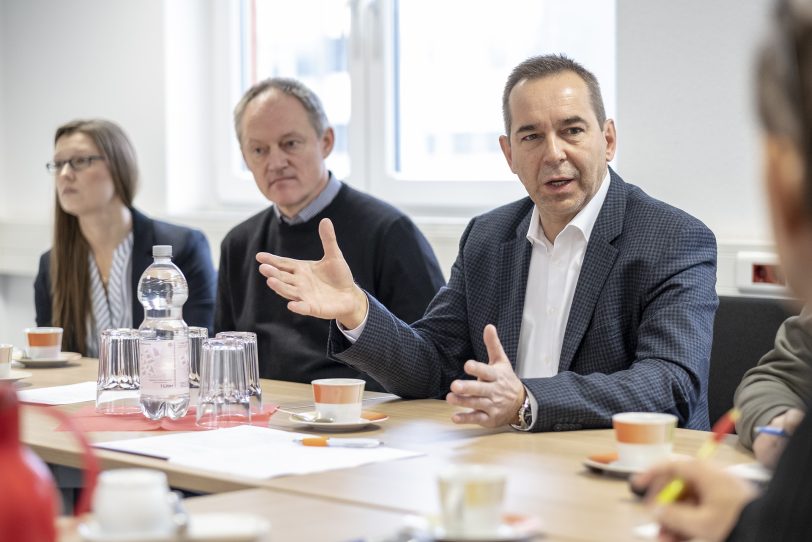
(368, 417)
(609, 464)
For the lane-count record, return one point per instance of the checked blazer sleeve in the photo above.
(417, 361)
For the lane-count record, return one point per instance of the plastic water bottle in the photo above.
(164, 341)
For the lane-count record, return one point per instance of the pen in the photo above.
(772, 430)
(342, 442)
(672, 491)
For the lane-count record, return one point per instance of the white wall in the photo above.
(686, 128)
(83, 58)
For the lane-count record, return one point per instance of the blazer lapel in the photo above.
(598, 262)
(514, 266)
(143, 239)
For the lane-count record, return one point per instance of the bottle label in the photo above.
(164, 367)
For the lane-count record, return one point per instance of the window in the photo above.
(413, 87)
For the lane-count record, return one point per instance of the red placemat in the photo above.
(88, 420)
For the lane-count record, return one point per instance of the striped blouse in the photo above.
(111, 306)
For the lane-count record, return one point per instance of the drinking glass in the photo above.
(471, 499)
(249, 339)
(223, 395)
(196, 337)
(118, 385)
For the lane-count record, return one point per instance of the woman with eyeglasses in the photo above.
(714, 504)
(101, 245)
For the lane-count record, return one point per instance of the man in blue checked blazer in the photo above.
(602, 296)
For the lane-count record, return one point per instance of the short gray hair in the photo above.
(543, 66)
(291, 87)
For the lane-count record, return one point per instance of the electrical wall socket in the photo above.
(760, 273)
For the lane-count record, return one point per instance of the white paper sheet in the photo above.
(60, 395)
(252, 452)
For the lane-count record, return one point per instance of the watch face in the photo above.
(526, 414)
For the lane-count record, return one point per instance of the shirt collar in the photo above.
(325, 198)
(584, 221)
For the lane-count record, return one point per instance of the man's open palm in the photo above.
(324, 289)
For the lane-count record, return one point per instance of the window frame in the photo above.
(371, 133)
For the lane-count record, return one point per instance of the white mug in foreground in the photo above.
(133, 502)
(5, 360)
(471, 500)
(643, 438)
(338, 399)
(43, 342)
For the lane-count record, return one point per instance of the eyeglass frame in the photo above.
(55, 166)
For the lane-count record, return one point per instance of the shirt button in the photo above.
(550, 310)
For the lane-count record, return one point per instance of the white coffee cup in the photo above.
(43, 342)
(338, 399)
(471, 499)
(5, 360)
(643, 438)
(133, 502)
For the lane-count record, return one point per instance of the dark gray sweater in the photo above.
(387, 254)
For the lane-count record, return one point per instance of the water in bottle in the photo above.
(164, 342)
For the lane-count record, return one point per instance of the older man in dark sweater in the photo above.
(285, 138)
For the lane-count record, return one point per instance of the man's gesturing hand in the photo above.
(324, 289)
(497, 393)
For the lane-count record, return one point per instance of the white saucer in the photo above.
(514, 528)
(597, 463)
(202, 528)
(90, 531)
(14, 376)
(506, 533)
(62, 359)
(335, 426)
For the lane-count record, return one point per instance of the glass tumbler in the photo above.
(118, 385)
(196, 337)
(249, 339)
(223, 395)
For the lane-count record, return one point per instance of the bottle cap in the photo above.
(162, 251)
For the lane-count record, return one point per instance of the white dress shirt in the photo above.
(551, 280)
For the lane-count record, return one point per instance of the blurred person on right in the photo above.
(716, 505)
(773, 392)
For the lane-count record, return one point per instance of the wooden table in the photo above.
(546, 477)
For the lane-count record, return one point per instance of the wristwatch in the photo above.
(524, 417)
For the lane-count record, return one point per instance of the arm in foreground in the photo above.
(709, 506)
(777, 384)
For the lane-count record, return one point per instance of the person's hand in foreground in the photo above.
(768, 448)
(497, 393)
(324, 289)
(708, 507)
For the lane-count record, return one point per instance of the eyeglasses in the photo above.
(77, 163)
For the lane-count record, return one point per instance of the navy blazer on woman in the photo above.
(190, 252)
(639, 332)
